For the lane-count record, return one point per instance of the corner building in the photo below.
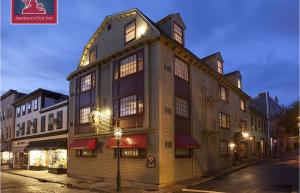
(181, 110)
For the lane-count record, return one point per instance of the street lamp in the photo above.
(118, 135)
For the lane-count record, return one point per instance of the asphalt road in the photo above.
(273, 176)
(11, 183)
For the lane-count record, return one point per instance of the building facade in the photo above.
(7, 122)
(176, 110)
(40, 140)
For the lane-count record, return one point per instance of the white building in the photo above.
(40, 140)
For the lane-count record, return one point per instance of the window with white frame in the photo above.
(178, 33)
(23, 109)
(224, 120)
(128, 106)
(181, 69)
(86, 83)
(130, 31)
(84, 115)
(220, 67)
(182, 107)
(128, 66)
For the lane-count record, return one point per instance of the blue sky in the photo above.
(260, 38)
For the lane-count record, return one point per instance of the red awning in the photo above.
(129, 141)
(185, 141)
(83, 144)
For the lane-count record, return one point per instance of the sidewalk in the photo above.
(109, 187)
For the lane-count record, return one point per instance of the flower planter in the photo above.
(38, 168)
(57, 170)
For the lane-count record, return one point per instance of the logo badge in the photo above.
(34, 11)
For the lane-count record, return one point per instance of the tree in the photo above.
(290, 119)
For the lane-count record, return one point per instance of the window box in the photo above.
(57, 170)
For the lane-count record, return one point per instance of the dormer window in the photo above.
(178, 33)
(220, 67)
(130, 31)
(93, 54)
(239, 83)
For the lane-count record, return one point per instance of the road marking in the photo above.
(203, 191)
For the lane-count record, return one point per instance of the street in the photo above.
(11, 183)
(276, 175)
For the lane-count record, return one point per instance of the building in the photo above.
(272, 110)
(40, 140)
(176, 110)
(7, 122)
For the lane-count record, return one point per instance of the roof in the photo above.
(40, 91)
(169, 17)
(233, 73)
(10, 92)
(217, 54)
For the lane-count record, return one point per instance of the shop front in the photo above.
(6, 158)
(48, 155)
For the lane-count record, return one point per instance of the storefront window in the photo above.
(58, 158)
(37, 158)
(6, 157)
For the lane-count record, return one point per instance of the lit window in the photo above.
(181, 69)
(182, 107)
(178, 34)
(93, 54)
(86, 82)
(131, 152)
(243, 125)
(239, 83)
(130, 31)
(223, 148)
(242, 105)
(223, 93)
(220, 67)
(128, 105)
(84, 115)
(183, 152)
(86, 153)
(128, 66)
(224, 120)
(23, 109)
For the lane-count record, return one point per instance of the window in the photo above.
(252, 123)
(28, 127)
(255, 124)
(181, 69)
(242, 105)
(128, 106)
(128, 66)
(259, 125)
(131, 152)
(23, 129)
(23, 109)
(59, 119)
(43, 123)
(239, 83)
(220, 67)
(130, 31)
(84, 115)
(34, 126)
(3, 113)
(178, 33)
(243, 125)
(29, 107)
(182, 107)
(223, 148)
(86, 153)
(35, 104)
(18, 111)
(224, 120)
(253, 145)
(223, 93)
(50, 121)
(18, 130)
(183, 152)
(86, 82)
(93, 54)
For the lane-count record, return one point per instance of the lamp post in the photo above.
(118, 135)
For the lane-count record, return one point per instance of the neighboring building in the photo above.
(172, 106)
(258, 131)
(41, 131)
(271, 109)
(7, 122)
